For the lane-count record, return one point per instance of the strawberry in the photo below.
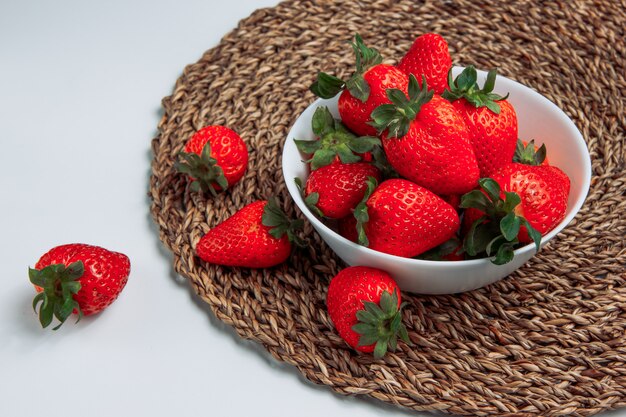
(347, 228)
(530, 154)
(257, 236)
(426, 140)
(364, 90)
(429, 57)
(490, 118)
(518, 205)
(215, 158)
(337, 188)
(453, 199)
(403, 219)
(335, 142)
(450, 250)
(77, 278)
(365, 307)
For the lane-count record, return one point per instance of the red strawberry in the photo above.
(429, 57)
(77, 278)
(426, 140)
(450, 250)
(401, 218)
(523, 203)
(365, 306)
(355, 112)
(491, 119)
(335, 142)
(336, 189)
(215, 158)
(347, 228)
(457, 254)
(453, 199)
(530, 154)
(257, 236)
(364, 91)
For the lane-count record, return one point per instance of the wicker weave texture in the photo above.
(548, 340)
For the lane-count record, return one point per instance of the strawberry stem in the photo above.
(360, 212)
(310, 200)
(381, 324)
(327, 86)
(335, 140)
(466, 86)
(527, 155)
(396, 117)
(59, 284)
(495, 233)
(203, 169)
(275, 218)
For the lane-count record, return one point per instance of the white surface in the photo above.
(539, 119)
(81, 84)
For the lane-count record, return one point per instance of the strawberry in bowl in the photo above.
(415, 134)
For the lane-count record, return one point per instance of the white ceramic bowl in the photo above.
(539, 119)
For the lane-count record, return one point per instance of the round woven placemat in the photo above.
(549, 339)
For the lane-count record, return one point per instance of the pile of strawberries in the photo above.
(424, 165)
(420, 165)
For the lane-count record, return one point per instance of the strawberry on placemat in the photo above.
(257, 236)
(214, 158)
(365, 306)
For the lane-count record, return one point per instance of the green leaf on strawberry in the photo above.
(362, 144)
(496, 232)
(527, 155)
(327, 86)
(396, 118)
(335, 141)
(466, 86)
(203, 169)
(280, 224)
(360, 212)
(59, 284)
(380, 161)
(447, 248)
(309, 200)
(381, 324)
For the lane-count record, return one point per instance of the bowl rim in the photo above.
(586, 181)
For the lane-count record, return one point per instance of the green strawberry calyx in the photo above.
(396, 117)
(280, 225)
(328, 86)
(59, 284)
(438, 253)
(203, 169)
(335, 140)
(381, 324)
(379, 160)
(495, 233)
(466, 86)
(527, 155)
(360, 212)
(310, 200)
